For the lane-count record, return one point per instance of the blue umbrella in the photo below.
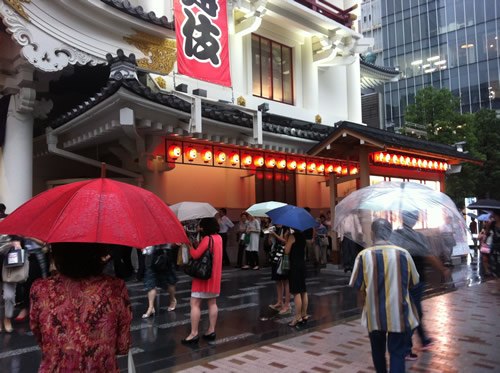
(484, 217)
(293, 217)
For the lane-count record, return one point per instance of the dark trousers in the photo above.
(225, 257)
(253, 258)
(122, 261)
(416, 297)
(396, 344)
(241, 253)
(142, 265)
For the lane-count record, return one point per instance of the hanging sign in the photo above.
(202, 40)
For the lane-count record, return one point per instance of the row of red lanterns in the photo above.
(401, 160)
(247, 160)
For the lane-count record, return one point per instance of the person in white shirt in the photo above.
(225, 225)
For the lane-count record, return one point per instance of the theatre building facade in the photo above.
(235, 102)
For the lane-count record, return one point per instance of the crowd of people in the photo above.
(81, 287)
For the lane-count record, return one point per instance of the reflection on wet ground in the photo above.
(244, 317)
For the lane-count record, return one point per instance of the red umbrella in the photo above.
(99, 210)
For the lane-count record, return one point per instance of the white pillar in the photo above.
(309, 78)
(16, 158)
(354, 91)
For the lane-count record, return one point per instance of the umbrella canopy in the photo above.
(193, 210)
(100, 211)
(484, 217)
(485, 204)
(293, 217)
(261, 209)
(403, 204)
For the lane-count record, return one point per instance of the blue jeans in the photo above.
(396, 344)
(416, 297)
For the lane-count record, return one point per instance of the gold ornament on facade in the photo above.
(318, 119)
(162, 53)
(241, 101)
(162, 83)
(18, 7)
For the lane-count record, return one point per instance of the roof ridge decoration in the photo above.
(138, 12)
(121, 66)
(18, 7)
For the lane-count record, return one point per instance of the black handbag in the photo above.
(160, 261)
(202, 267)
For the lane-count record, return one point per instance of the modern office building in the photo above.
(449, 44)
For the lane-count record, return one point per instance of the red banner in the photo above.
(202, 40)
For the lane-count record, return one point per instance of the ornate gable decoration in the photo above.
(18, 7)
(162, 52)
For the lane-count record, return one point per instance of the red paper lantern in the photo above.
(311, 167)
(321, 168)
(174, 151)
(353, 171)
(270, 162)
(258, 161)
(246, 160)
(206, 155)
(344, 170)
(191, 154)
(301, 166)
(292, 165)
(338, 170)
(281, 163)
(329, 168)
(220, 157)
(234, 158)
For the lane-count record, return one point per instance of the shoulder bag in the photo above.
(202, 267)
(15, 266)
(160, 260)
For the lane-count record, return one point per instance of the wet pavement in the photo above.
(244, 321)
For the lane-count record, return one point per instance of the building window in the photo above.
(272, 70)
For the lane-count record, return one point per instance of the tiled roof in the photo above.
(396, 140)
(270, 122)
(383, 69)
(138, 12)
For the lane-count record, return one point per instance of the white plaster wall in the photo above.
(333, 98)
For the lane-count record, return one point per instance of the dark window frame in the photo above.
(271, 71)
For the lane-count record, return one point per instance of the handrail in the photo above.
(331, 11)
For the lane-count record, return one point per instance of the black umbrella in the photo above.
(485, 204)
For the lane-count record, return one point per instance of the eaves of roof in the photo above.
(393, 140)
(270, 122)
(138, 12)
(381, 69)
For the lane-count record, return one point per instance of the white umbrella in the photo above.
(434, 211)
(193, 210)
(261, 209)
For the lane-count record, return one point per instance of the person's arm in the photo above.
(414, 277)
(198, 252)
(279, 238)
(124, 318)
(289, 242)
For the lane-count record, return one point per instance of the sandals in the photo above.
(276, 306)
(295, 322)
(148, 314)
(285, 311)
(172, 306)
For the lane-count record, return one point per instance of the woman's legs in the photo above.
(171, 296)
(279, 295)
(151, 303)
(9, 297)
(255, 255)
(286, 289)
(213, 311)
(298, 306)
(304, 299)
(195, 317)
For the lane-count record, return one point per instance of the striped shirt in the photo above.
(385, 273)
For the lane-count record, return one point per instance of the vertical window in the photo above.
(272, 70)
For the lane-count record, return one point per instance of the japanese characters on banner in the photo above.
(202, 40)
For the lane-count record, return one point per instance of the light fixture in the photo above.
(417, 62)
(311, 167)
(234, 158)
(426, 65)
(344, 170)
(246, 160)
(270, 162)
(353, 171)
(291, 165)
(433, 58)
(442, 62)
(174, 151)
(281, 164)
(338, 169)
(191, 154)
(220, 157)
(258, 161)
(465, 46)
(320, 168)
(301, 166)
(206, 155)
(430, 70)
(329, 168)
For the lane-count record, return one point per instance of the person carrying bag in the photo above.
(202, 267)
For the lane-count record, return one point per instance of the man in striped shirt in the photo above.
(384, 273)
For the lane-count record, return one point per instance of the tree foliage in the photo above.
(437, 109)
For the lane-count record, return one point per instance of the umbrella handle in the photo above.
(103, 169)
